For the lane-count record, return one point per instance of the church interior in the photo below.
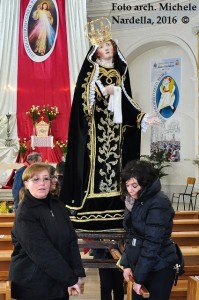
(159, 41)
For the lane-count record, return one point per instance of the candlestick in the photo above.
(8, 142)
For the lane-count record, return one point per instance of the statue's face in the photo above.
(105, 51)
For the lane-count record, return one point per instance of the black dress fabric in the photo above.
(98, 148)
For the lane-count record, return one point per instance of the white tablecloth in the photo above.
(37, 141)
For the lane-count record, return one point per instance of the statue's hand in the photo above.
(153, 119)
(110, 89)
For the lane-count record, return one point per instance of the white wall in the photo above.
(140, 67)
(142, 44)
(140, 81)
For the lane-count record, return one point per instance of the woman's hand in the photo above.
(81, 284)
(77, 288)
(110, 89)
(74, 290)
(127, 273)
(137, 288)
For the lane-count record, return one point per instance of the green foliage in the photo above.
(158, 160)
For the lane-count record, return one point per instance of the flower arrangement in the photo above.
(34, 113)
(23, 147)
(50, 111)
(63, 146)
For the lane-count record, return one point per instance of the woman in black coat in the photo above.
(150, 253)
(46, 262)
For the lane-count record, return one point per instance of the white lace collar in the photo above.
(104, 63)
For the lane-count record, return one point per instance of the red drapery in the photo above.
(45, 82)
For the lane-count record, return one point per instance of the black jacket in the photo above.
(149, 226)
(46, 258)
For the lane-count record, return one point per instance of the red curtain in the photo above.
(46, 82)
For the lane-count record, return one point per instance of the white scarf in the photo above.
(115, 105)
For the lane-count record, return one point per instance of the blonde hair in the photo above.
(21, 193)
(33, 169)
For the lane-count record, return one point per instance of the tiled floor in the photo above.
(91, 286)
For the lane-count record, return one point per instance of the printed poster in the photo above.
(165, 83)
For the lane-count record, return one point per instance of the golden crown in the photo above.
(99, 31)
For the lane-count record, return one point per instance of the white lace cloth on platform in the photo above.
(37, 141)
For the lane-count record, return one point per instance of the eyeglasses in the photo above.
(57, 177)
(37, 179)
(54, 177)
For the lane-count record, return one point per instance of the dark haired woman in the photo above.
(150, 254)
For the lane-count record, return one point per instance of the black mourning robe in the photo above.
(98, 148)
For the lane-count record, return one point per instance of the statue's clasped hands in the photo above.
(110, 89)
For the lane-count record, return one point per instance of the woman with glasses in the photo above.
(46, 262)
